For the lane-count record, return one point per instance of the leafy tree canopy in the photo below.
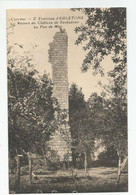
(105, 33)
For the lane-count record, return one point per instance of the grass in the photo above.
(99, 179)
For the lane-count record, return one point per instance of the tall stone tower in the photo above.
(58, 58)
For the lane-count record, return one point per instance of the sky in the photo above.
(27, 34)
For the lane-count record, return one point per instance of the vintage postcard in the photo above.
(67, 100)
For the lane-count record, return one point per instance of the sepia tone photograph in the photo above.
(67, 100)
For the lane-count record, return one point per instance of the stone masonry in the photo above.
(58, 58)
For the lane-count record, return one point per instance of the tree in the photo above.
(116, 134)
(96, 106)
(105, 34)
(80, 125)
(31, 109)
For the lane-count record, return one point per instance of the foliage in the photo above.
(108, 157)
(116, 128)
(31, 108)
(80, 123)
(109, 119)
(104, 34)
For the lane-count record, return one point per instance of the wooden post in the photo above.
(30, 167)
(17, 183)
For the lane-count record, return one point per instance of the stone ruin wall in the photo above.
(58, 58)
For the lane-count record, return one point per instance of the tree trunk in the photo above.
(30, 167)
(17, 183)
(124, 163)
(85, 163)
(44, 156)
(73, 158)
(119, 168)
